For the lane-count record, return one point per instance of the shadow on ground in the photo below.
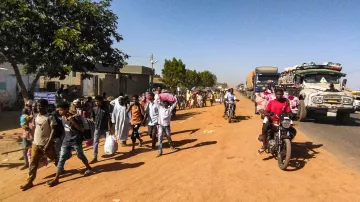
(201, 144)
(115, 166)
(301, 153)
(185, 115)
(354, 121)
(174, 133)
(10, 165)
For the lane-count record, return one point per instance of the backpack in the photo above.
(89, 129)
(59, 130)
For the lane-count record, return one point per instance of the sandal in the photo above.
(88, 172)
(52, 183)
(260, 151)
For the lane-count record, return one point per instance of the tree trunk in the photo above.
(23, 89)
(33, 84)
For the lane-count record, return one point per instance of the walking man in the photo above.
(43, 143)
(102, 119)
(152, 113)
(165, 112)
(137, 114)
(72, 141)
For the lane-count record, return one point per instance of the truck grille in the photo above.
(332, 99)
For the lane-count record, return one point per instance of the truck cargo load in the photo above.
(266, 70)
(249, 80)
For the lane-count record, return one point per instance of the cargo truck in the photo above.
(258, 79)
(320, 90)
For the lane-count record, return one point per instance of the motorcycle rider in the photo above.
(230, 96)
(277, 106)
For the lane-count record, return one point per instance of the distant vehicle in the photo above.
(258, 79)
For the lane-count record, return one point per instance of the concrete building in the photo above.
(131, 79)
(8, 85)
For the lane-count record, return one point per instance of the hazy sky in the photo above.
(232, 37)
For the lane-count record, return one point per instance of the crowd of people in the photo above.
(55, 135)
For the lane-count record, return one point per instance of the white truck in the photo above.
(320, 89)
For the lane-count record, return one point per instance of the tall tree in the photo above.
(207, 79)
(173, 72)
(157, 76)
(192, 78)
(54, 37)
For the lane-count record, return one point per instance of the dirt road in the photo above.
(217, 161)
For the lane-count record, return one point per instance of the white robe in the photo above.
(121, 120)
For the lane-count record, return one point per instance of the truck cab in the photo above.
(321, 92)
(262, 76)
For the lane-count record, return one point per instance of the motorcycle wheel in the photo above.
(283, 161)
(230, 116)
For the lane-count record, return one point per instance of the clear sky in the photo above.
(232, 37)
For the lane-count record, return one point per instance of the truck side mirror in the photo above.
(344, 83)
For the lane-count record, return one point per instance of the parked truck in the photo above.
(320, 89)
(258, 79)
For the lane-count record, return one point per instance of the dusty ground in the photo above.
(217, 161)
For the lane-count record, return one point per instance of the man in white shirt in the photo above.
(165, 112)
(230, 97)
(152, 113)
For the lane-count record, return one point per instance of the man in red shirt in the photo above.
(277, 106)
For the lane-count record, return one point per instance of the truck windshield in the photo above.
(266, 78)
(322, 78)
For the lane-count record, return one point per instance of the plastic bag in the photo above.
(110, 146)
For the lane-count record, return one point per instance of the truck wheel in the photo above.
(302, 111)
(343, 118)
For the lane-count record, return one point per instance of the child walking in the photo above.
(137, 115)
(165, 112)
(26, 137)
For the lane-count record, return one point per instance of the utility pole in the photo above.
(152, 71)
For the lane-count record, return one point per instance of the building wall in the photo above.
(110, 85)
(132, 80)
(9, 86)
(137, 84)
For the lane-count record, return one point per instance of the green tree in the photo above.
(54, 37)
(191, 78)
(157, 76)
(224, 85)
(173, 73)
(207, 79)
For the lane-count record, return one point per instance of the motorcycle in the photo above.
(230, 112)
(279, 138)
